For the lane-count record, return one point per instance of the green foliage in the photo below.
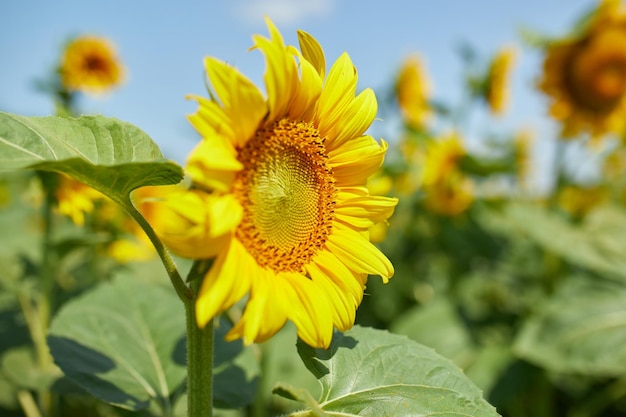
(111, 156)
(375, 373)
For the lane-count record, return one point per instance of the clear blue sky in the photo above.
(162, 44)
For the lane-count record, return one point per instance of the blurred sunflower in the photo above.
(450, 196)
(497, 89)
(585, 75)
(90, 65)
(413, 92)
(75, 199)
(448, 191)
(279, 194)
(442, 158)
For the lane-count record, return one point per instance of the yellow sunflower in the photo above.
(279, 194)
(74, 199)
(90, 65)
(450, 196)
(413, 92)
(497, 87)
(585, 75)
(442, 158)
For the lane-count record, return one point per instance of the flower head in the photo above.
(497, 86)
(585, 75)
(279, 194)
(413, 91)
(90, 65)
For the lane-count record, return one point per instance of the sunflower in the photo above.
(450, 196)
(74, 199)
(585, 75)
(413, 91)
(279, 194)
(442, 158)
(90, 65)
(497, 85)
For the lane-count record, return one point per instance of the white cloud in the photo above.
(284, 11)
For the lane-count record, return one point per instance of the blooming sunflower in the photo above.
(279, 194)
(497, 86)
(89, 64)
(585, 75)
(413, 91)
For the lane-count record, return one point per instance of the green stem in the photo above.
(199, 362)
(184, 293)
(45, 300)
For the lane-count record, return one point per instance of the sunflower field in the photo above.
(298, 264)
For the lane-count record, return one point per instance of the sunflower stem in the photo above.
(184, 292)
(199, 361)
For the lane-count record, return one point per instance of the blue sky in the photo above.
(162, 44)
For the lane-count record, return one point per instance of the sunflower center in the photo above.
(287, 193)
(94, 63)
(597, 75)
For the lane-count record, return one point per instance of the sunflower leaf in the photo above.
(112, 156)
(124, 343)
(375, 373)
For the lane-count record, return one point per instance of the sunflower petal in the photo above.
(341, 302)
(309, 90)
(312, 52)
(228, 280)
(363, 212)
(338, 93)
(264, 314)
(309, 309)
(241, 99)
(357, 160)
(340, 275)
(357, 253)
(213, 164)
(356, 120)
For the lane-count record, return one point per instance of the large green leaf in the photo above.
(107, 154)
(581, 330)
(124, 342)
(368, 372)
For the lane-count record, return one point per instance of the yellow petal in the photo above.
(225, 214)
(265, 313)
(213, 164)
(281, 75)
(355, 121)
(357, 160)
(363, 212)
(357, 253)
(341, 302)
(340, 275)
(227, 281)
(312, 52)
(308, 91)
(309, 309)
(338, 93)
(210, 119)
(241, 99)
